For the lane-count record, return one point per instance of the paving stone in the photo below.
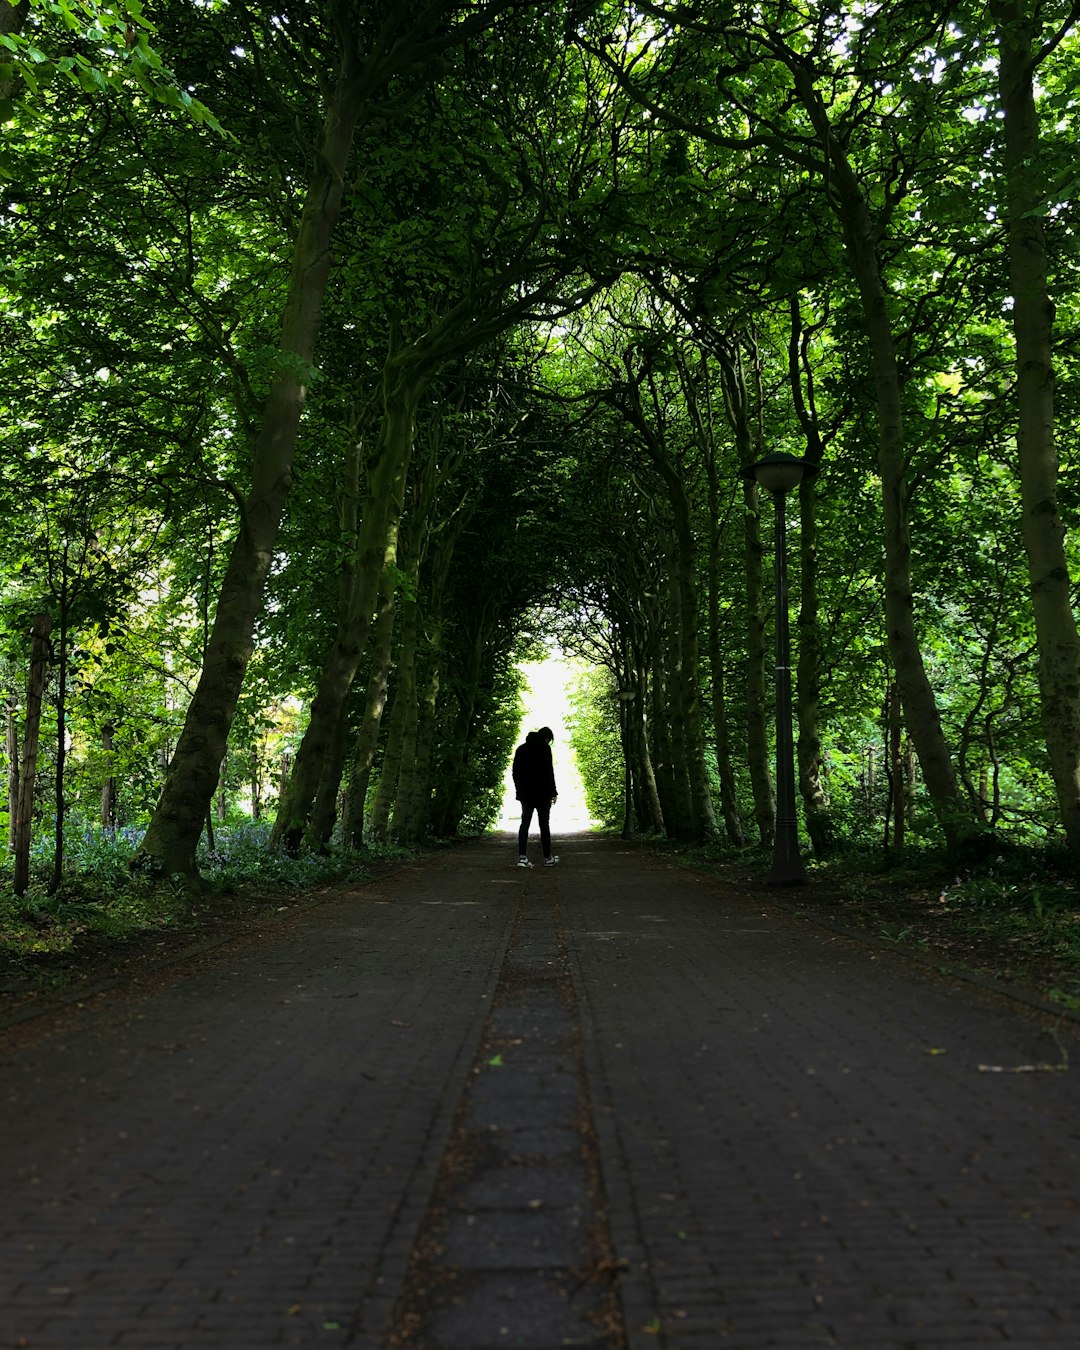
(539, 1186)
(536, 1312)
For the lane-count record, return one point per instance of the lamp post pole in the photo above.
(778, 473)
(787, 868)
(626, 698)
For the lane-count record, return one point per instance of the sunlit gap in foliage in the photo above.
(546, 698)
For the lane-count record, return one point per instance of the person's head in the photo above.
(532, 738)
(546, 734)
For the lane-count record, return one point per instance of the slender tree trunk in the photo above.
(896, 771)
(729, 800)
(376, 553)
(737, 403)
(1033, 315)
(108, 786)
(367, 740)
(390, 768)
(660, 740)
(452, 789)
(917, 694)
(223, 790)
(396, 780)
(412, 812)
(757, 737)
(654, 813)
(171, 838)
(324, 810)
(808, 699)
(24, 815)
(11, 743)
(694, 816)
(678, 713)
(61, 656)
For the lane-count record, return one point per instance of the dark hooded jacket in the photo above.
(534, 773)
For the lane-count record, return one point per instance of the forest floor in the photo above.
(1023, 936)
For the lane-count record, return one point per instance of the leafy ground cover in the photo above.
(1015, 919)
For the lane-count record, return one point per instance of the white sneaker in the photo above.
(550, 862)
(524, 862)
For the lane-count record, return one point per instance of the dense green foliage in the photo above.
(436, 318)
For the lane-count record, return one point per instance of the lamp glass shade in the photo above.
(779, 476)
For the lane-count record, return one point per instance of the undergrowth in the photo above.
(100, 896)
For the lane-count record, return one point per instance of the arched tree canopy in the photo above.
(352, 349)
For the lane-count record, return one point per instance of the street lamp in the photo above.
(778, 473)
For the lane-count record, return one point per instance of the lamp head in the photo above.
(778, 472)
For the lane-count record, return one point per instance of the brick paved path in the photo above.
(796, 1141)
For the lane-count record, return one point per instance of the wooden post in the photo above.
(40, 650)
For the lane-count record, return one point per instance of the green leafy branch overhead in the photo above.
(103, 46)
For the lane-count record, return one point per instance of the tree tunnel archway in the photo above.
(480, 308)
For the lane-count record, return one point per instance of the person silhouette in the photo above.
(534, 786)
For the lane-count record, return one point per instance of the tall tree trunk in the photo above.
(452, 789)
(61, 657)
(412, 811)
(11, 745)
(108, 786)
(860, 242)
(808, 699)
(652, 811)
(376, 553)
(897, 802)
(367, 740)
(324, 810)
(660, 740)
(681, 818)
(697, 819)
(396, 781)
(390, 768)
(757, 735)
(1033, 315)
(170, 841)
(737, 404)
(729, 800)
(24, 815)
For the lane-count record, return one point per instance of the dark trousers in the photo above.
(543, 812)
